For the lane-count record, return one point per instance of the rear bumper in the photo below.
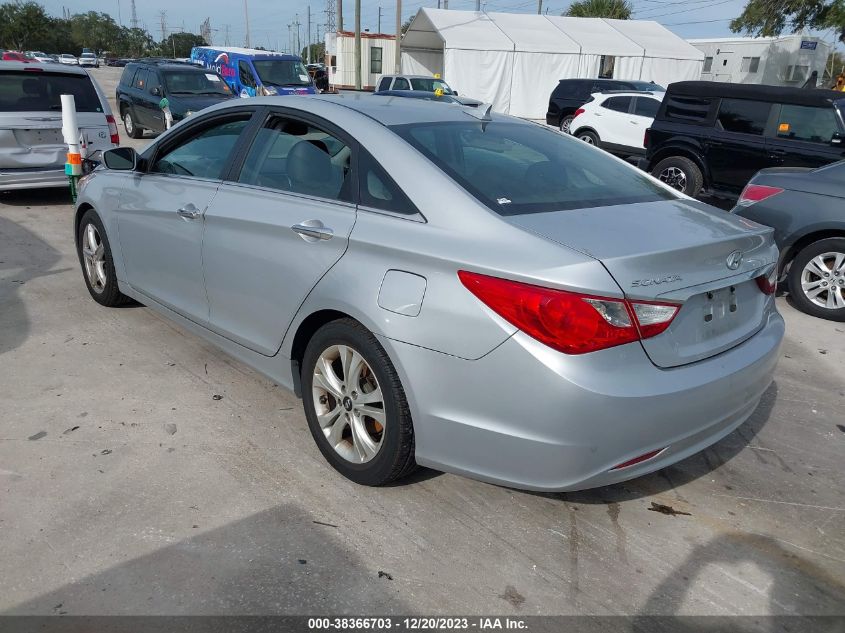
(527, 416)
(11, 179)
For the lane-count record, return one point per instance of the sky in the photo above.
(269, 19)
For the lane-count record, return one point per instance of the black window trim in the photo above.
(417, 216)
(259, 122)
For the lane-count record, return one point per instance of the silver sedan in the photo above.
(443, 287)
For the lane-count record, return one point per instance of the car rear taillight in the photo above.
(115, 137)
(570, 322)
(756, 193)
(645, 137)
(577, 112)
(637, 460)
(768, 283)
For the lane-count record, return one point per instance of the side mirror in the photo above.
(156, 91)
(120, 158)
(838, 140)
(455, 92)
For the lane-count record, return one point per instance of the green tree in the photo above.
(773, 17)
(318, 53)
(94, 30)
(613, 9)
(22, 23)
(180, 44)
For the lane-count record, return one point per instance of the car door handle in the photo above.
(311, 230)
(189, 212)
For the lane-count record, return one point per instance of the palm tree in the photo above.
(616, 9)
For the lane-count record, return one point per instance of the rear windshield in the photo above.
(430, 84)
(282, 72)
(35, 91)
(192, 82)
(518, 168)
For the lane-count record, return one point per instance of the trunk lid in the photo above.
(675, 251)
(33, 140)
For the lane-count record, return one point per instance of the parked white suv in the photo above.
(616, 121)
(33, 151)
(89, 59)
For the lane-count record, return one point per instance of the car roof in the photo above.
(628, 93)
(55, 69)
(168, 64)
(416, 76)
(772, 94)
(384, 110)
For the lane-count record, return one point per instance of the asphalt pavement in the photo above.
(143, 471)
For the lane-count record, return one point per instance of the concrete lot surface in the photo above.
(128, 487)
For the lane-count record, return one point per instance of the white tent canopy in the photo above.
(514, 61)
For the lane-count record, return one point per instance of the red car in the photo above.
(12, 56)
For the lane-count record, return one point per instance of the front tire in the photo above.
(95, 257)
(680, 173)
(816, 279)
(355, 405)
(132, 128)
(590, 138)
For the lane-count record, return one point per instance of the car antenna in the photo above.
(482, 112)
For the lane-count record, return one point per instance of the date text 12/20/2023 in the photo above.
(420, 623)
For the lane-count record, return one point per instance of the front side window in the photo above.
(519, 168)
(294, 156)
(401, 84)
(430, 84)
(744, 116)
(375, 60)
(282, 72)
(804, 123)
(247, 79)
(617, 104)
(205, 155)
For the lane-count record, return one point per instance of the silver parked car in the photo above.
(32, 148)
(476, 294)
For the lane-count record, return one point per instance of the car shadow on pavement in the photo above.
(685, 471)
(796, 586)
(23, 257)
(277, 561)
(48, 197)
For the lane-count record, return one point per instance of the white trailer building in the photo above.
(378, 57)
(514, 61)
(775, 61)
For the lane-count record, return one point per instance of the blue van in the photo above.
(251, 72)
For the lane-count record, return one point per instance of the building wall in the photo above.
(342, 75)
(771, 61)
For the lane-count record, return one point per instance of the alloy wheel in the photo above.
(823, 280)
(94, 258)
(349, 404)
(674, 177)
(128, 123)
(566, 125)
(587, 139)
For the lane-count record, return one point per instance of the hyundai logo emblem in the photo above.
(734, 260)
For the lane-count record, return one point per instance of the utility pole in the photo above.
(226, 34)
(339, 15)
(119, 20)
(357, 44)
(298, 40)
(162, 18)
(308, 45)
(378, 30)
(398, 60)
(331, 24)
(134, 15)
(445, 4)
(539, 7)
(246, 19)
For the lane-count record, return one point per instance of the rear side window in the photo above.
(377, 189)
(140, 81)
(686, 109)
(803, 123)
(743, 116)
(520, 168)
(647, 107)
(41, 92)
(617, 104)
(128, 74)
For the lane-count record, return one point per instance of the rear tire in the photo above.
(680, 173)
(565, 124)
(806, 279)
(590, 138)
(355, 405)
(95, 257)
(133, 130)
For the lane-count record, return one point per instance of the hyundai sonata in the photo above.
(443, 286)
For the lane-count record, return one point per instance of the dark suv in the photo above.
(713, 137)
(145, 83)
(571, 94)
